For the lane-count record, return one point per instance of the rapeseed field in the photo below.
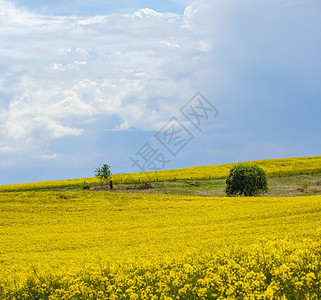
(106, 245)
(273, 167)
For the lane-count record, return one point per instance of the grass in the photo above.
(295, 185)
(273, 167)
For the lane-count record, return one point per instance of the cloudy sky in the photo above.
(84, 83)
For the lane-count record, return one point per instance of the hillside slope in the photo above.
(273, 167)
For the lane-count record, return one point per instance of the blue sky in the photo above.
(94, 7)
(84, 83)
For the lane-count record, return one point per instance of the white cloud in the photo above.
(205, 46)
(60, 73)
(147, 13)
(170, 43)
(49, 156)
(56, 69)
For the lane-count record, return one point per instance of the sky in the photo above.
(152, 85)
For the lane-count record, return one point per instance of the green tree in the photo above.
(244, 180)
(103, 173)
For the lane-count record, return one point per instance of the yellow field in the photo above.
(104, 245)
(273, 167)
(108, 245)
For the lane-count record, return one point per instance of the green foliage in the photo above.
(103, 173)
(244, 180)
(86, 186)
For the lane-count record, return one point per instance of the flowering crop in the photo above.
(273, 167)
(267, 270)
(105, 245)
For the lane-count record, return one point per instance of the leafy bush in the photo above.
(86, 186)
(244, 180)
